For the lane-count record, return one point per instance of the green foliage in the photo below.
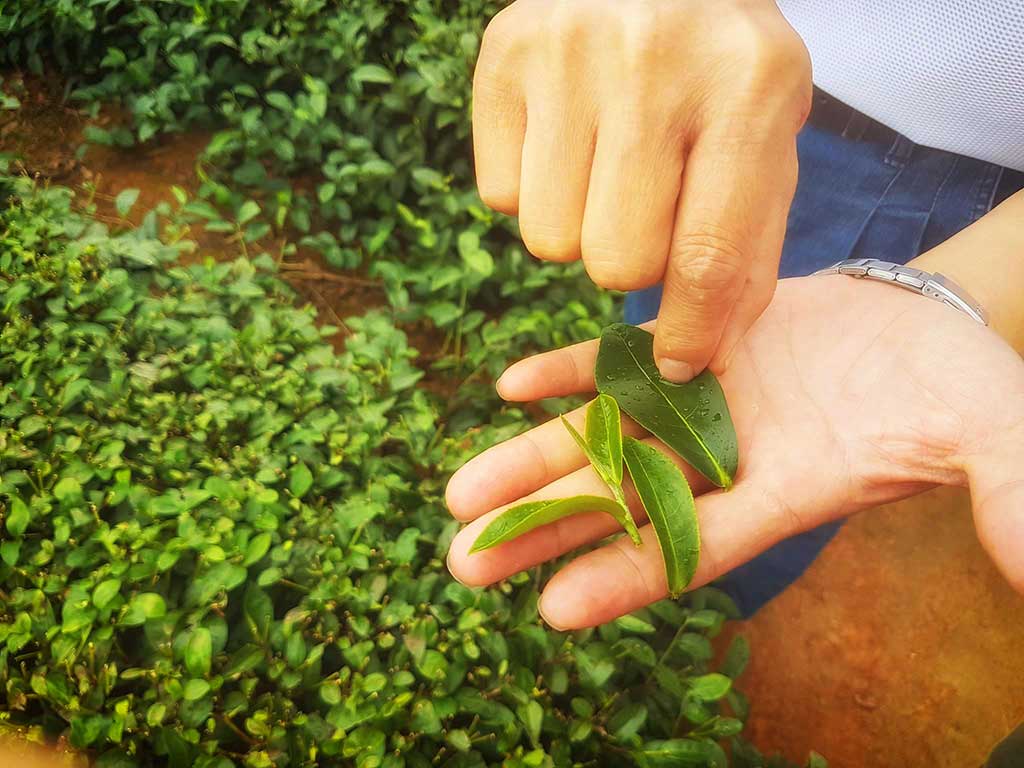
(669, 504)
(223, 540)
(525, 517)
(343, 124)
(692, 418)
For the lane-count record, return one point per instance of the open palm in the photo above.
(845, 395)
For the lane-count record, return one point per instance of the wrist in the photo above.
(987, 260)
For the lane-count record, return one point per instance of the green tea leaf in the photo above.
(17, 517)
(710, 687)
(196, 689)
(666, 496)
(603, 448)
(674, 753)
(737, 657)
(692, 419)
(125, 201)
(372, 73)
(199, 652)
(105, 592)
(522, 518)
(604, 434)
(144, 606)
(250, 210)
(300, 481)
(627, 721)
(532, 716)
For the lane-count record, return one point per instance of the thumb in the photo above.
(997, 495)
(732, 213)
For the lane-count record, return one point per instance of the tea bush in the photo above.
(222, 541)
(346, 123)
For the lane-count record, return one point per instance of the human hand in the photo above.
(656, 140)
(845, 395)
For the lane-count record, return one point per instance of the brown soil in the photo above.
(18, 750)
(900, 647)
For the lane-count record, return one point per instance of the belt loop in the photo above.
(900, 151)
(856, 126)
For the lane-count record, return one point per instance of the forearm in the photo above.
(987, 259)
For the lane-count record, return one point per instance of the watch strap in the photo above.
(933, 285)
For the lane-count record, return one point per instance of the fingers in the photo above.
(558, 373)
(997, 493)
(551, 540)
(557, 154)
(499, 119)
(520, 466)
(619, 578)
(732, 213)
(753, 301)
(561, 372)
(631, 203)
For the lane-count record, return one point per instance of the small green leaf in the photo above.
(372, 73)
(125, 201)
(105, 592)
(666, 496)
(67, 488)
(710, 687)
(676, 753)
(17, 517)
(10, 551)
(144, 606)
(199, 652)
(532, 716)
(692, 419)
(196, 689)
(605, 452)
(459, 740)
(604, 435)
(522, 518)
(625, 724)
(736, 658)
(300, 481)
(250, 210)
(635, 625)
(258, 547)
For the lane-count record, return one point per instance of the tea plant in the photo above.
(222, 541)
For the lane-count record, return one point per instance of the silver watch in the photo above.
(934, 286)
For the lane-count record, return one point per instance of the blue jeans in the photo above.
(856, 198)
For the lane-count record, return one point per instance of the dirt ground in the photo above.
(900, 648)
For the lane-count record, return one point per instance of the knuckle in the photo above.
(502, 34)
(709, 266)
(566, 28)
(643, 34)
(772, 61)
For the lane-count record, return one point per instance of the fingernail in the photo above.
(549, 622)
(675, 370)
(498, 383)
(448, 564)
